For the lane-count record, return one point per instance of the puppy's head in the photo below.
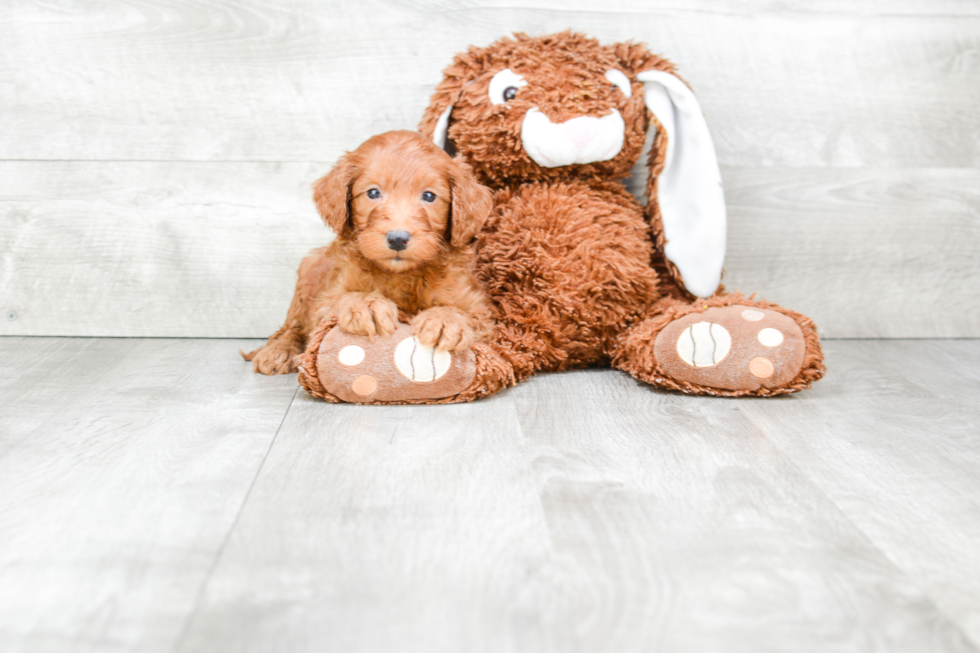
(402, 200)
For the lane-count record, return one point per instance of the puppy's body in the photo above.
(404, 214)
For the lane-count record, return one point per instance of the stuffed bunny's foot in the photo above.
(339, 366)
(731, 350)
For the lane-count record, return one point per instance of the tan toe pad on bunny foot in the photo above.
(732, 348)
(391, 368)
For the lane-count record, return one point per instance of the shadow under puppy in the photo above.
(404, 213)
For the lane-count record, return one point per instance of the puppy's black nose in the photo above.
(398, 240)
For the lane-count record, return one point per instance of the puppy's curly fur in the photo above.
(404, 213)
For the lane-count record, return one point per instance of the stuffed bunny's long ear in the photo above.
(689, 189)
(435, 121)
(441, 132)
(455, 78)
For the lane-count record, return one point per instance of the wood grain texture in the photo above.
(123, 464)
(411, 528)
(157, 156)
(143, 508)
(577, 512)
(211, 249)
(153, 249)
(680, 526)
(782, 83)
(894, 441)
(867, 253)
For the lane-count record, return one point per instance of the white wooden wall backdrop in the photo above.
(156, 157)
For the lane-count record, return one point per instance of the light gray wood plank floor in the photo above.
(155, 495)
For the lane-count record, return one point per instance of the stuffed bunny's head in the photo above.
(563, 106)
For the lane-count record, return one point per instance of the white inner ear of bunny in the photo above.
(580, 140)
(621, 81)
(501, 81)
(441, 132)
(689, 190)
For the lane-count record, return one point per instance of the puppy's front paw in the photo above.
(273, 359)
(367, 315)
(443, 327)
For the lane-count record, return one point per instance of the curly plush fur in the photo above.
(573, 265)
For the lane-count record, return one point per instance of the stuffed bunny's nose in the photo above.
(582, 130)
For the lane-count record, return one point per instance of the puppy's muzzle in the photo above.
(398, 240)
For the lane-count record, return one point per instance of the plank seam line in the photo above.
(179, 641)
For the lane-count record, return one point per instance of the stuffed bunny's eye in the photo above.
(504, 86)
(620, 81)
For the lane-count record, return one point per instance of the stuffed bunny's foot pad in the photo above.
(391, 368)
(733, 347)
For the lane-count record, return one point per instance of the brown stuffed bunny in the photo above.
(578, 272)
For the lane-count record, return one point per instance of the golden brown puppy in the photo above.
(404, 213)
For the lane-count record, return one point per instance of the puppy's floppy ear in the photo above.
(331, 194)
(471, 204)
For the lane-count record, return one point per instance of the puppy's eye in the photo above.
(373, 193)
(428, 196)
(504, 86)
